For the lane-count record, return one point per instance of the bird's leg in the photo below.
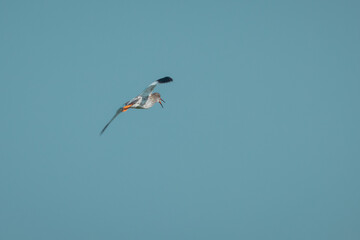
(127, 107)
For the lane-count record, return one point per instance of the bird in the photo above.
(145, 100)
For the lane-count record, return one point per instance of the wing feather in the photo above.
(151, 87)
(117, 113)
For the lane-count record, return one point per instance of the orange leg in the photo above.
(126, 107)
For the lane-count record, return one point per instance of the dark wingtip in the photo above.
(102, 131)
(165, 80)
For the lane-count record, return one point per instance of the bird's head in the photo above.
(158, 98)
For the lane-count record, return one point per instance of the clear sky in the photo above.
(259, 137)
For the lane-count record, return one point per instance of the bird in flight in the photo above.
(145, 100)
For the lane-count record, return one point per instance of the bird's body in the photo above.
(145, 100)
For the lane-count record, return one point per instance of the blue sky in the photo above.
(259, 137)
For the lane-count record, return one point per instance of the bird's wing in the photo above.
(120, 110)
(126, 107)
(151, 87)
(133, 101)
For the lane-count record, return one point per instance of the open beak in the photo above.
(161, 103)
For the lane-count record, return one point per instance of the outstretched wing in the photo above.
(120, 110)
(151, 87)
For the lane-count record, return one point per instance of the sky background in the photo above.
(259, 137)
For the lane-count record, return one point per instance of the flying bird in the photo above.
(145, 100)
